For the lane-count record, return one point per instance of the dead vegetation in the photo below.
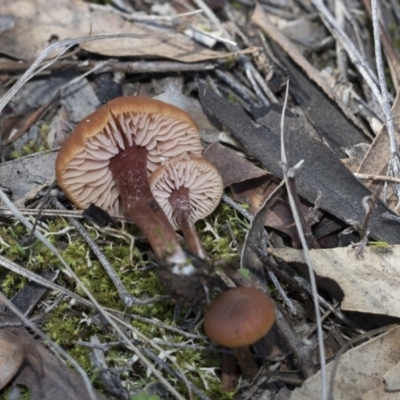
(298, 109)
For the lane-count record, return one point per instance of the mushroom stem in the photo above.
(246, 361)
(180, 203)
(129, 170)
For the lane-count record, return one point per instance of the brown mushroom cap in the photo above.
(82, 162)
(200, 177)
(239, 317)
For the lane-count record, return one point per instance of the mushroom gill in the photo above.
(86, 175)
(187, 189)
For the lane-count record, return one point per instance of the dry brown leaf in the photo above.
(249, 183)
(232, 167)
(46, 376)
(37, 25)
(378, 156)
(12, 354)
(361, 372)
(370, 282)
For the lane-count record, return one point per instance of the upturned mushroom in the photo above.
(187, 189)
(108, 157)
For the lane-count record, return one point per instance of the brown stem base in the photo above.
(246, 362)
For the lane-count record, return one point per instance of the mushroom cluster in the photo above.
(111, 155)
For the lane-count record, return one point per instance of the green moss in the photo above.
(215, 234)
(9, 393)
(144, 395)
(237, 5)
(69, 323)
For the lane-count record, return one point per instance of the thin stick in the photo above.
(394, 163)
(379, 178)
(130, 67)
(54, 345)
(61, 47)
(289, 174)
(355, 56)
(124, 295)
(108, 317)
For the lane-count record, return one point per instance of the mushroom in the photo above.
(238, 318)
(187, 189)
(108, 157)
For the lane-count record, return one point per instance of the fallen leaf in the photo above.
(317, 92)
(53, 379)
(392, 383)
(232, 167)
(37, 25)
(370, 282)
(30, 364)
(360, 372)
(12, 354)
(80, 100)
(328, 119)
(377, 158)
(322, 173)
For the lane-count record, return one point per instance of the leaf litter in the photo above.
(229, 77)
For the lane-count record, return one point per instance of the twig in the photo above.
(302, 349)
(129, 67)
(125, 296)
(18, 269)
(296, 280)
(340, 52)
(249, 69)
(62, 47)
(271, 274)
(355, 56)
(394, 163)
(303, 284)
(174, 373)
(143, 18)
(54, 345)
(290, 174)
(252, 73)
(240, 89)
(237, 207)
(112, 320)
(173, 19)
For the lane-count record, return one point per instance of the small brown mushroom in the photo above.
(187, 189)
(238, 318)
(108, 157)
